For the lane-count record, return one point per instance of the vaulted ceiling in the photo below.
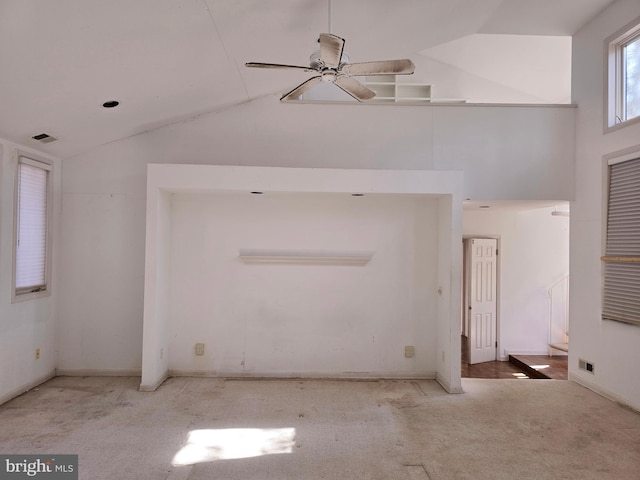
(170, 60)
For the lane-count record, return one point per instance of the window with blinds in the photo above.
(32, 219)
(621, 297)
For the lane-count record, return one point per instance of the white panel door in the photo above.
(482, 300)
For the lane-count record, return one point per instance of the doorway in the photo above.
(480, 286)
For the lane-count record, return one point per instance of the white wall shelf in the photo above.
(308, 257)
(388, 89)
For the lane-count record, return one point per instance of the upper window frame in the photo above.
(614, 76)
(48, 165)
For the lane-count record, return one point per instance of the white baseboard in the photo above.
(154, 386)
(447, 385)
(26, 387)
(603, 391)
(309, 375)
(97, 373)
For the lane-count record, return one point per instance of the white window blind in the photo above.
(31, 231)
(621, 298)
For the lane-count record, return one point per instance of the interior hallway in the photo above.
(315, 429)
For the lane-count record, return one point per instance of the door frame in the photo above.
(466, 281)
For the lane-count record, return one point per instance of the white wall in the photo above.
(533, 256)
(505, 152)
(322, 320)
(28, 325)
(449, 300)
(101, 281)
(499, 68)
(613, 347)
(451, 82)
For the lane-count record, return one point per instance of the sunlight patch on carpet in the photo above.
(209, 445)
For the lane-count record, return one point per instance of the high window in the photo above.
(631, 79)
(623, 57)
(621, 296)
(32, 228)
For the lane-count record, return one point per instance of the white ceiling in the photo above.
(168, 60)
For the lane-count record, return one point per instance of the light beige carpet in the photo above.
(203, 428)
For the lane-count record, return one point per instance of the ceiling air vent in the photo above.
(44, 138)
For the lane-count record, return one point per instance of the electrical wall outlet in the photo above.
(199, 348)
(37, 353)
(587, 366)
(409, 351)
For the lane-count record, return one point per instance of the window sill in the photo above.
(618, 126)
(24, 297)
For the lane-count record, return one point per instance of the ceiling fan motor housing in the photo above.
(316, 62)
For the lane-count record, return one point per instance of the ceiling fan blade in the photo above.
(384, 67)
(277, 65)
(354, 88)
(331, 47)
(300, 89)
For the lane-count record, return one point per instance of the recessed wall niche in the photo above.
(311, 318)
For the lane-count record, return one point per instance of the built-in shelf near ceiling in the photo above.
(308, 257)
(388, 88)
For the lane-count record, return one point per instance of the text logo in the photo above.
(50, 467)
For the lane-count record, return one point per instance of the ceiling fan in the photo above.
(333, 66)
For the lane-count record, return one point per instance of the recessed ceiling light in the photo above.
(111, 104)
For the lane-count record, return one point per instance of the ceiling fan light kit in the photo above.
(333, 66)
